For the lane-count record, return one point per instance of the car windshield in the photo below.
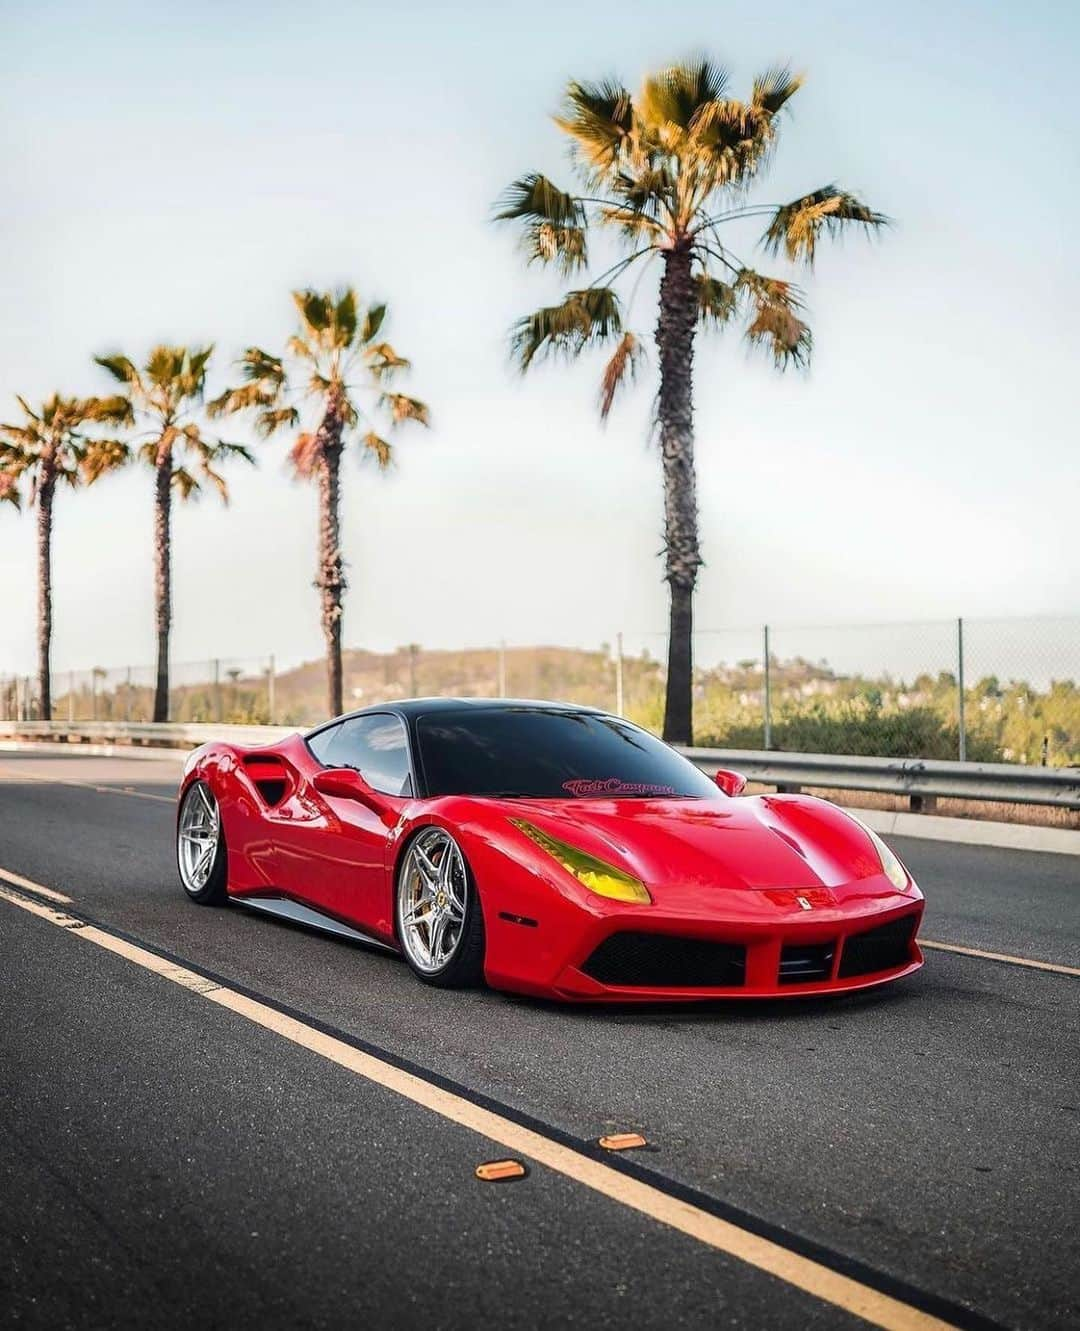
(548, 754)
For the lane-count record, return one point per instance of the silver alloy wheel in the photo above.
(197, 837)
(431, 899)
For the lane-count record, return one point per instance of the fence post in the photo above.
(768, 693)
(502, 667)
(217, 690)
(961, 727)
(271, 709)
(620, 709)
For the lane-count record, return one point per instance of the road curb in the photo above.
(926, 826)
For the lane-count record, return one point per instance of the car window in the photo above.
(375, 745)
(322, 744)
(551, 754)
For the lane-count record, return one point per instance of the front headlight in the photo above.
(596, 875)
(892, 868)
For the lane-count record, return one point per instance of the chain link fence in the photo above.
(984, 690)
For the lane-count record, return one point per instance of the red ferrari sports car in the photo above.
(549, 849)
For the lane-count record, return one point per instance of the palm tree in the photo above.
(166, 397)
(340, 372)
(50, 447)
(666, 174)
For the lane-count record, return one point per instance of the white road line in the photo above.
(822, 1282)
(17, 880)
(13, 774)
(1000, 956)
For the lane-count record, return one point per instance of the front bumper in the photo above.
(769, 944)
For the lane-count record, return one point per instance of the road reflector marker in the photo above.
(622, 1141)
(498, 1171)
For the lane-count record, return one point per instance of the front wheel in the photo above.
(439, 921)
(200, 846)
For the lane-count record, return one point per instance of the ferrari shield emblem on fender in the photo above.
(803, 903)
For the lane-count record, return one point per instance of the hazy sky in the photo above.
(171, 172)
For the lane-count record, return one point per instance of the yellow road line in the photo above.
(830, 1286)
(15, 774)
(28, 885)
(1001, 956)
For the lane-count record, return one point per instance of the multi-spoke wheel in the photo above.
(439, 920)
(200, 845)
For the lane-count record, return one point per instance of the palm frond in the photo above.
(224, 448)
(316, 310)
(403, 408)
(634, 225)
(101, 456)
(676, 96)
(378, 448)
(345, 318)
(774, 88)
(218, 482)
(621, 368)
(534, 198)
(599, 118)
(797, 226)
(245, 398)
(583, 319)
(373, 321)
(9, 488)
(276, 418)
(257, 365)
(382, 360)
(717, 301)
(775, 322)
(121, 368)
(184, 483)
(114, 410)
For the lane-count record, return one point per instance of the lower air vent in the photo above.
(813, 961)
(659, 961)
(881, 949)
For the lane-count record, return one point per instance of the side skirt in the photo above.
(286, 909)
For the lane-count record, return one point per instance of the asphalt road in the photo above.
(166, 1162)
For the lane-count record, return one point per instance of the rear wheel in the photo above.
(200, 846)
(439, 921)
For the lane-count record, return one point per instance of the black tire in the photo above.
(213, 891)
(465, 967)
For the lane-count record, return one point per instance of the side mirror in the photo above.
(344, 783)
(731, 783)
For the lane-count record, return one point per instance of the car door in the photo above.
(333, 852)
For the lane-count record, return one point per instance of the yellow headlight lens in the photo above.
(603, 879)
(892, 868)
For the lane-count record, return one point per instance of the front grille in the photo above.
(880, 949)
(660, 961)
(806, 962)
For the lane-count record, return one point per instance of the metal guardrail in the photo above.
(920, 780)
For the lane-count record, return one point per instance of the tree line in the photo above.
(665, 174)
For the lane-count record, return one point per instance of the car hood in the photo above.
(758, 842)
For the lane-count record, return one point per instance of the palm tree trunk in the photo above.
(44, 555)
(162, 578)
(675, 417)
(331, 576)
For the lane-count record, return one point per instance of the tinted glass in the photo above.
(375, 745)
(550, 755)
